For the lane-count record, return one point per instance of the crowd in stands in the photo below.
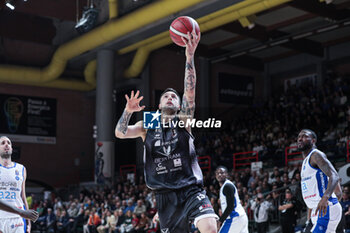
(125, 208)
(271, 126)
(130, 207)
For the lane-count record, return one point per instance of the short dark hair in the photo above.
(222, 167)
(313, 134)
(172, 90)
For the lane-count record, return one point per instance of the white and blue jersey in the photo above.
(233, 216)
(11, 180)
(313, 185)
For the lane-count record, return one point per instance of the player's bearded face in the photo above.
(5, 148)
(304, 141)
(169, 102)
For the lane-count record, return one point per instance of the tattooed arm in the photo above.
(123, 129)
(188, 100)
(319, 159)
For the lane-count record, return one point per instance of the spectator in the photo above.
(135, 221)
(345, 203)
(288, 213)
(94, 221)
(110, 221)
(143, 224)
(127, 226)
(261, 210)
(139, 208)
(63, 223)
(47, 222)
(73, 210)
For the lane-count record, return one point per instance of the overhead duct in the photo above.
(113, 9)
(206, 23)
(138, 62)
(99, 36)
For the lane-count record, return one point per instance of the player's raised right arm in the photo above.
(123, 129)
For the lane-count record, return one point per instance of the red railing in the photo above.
(205, 163)
(287, 154)
(246, 160)
(348, 151)
(125, 169)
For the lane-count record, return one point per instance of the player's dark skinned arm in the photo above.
(27, 214)
(229, 192)
(319, 160)
(338, 192)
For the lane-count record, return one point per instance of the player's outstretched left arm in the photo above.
(188, 100)
(320, 160)
(27, 214)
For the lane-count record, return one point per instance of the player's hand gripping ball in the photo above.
(180, 27)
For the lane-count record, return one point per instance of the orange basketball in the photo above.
(179, 28)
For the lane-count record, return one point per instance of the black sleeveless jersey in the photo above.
(170, 159)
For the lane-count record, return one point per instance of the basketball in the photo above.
(179, 28)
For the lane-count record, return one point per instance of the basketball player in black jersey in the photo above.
(171, 166)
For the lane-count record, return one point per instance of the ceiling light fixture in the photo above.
(88, 20)
(10, 4)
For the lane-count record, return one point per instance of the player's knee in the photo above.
(212, 228)
(207, 225)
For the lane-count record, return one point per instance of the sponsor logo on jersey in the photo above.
(176, 169)
(160, 167)
(306, 178)
(9, 183)
(177, 162)
(17, 225)
(205, 207)
(162, 159)
(310, 196)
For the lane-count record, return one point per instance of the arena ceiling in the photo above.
(31, 33)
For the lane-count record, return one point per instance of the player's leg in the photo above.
(237, 224)
(172, 215)
(15, 225)
(2, 230)
(335, 212)
(226, 226)
(321, 223)
(245, 223)
(207, 225)
(199, 209)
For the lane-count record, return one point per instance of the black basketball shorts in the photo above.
(177, 208)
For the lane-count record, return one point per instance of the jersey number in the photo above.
(201, 196)
(303, 187)
(7, 195)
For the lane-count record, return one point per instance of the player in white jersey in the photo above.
(319, 182)
(12, 193)
(234, 218)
